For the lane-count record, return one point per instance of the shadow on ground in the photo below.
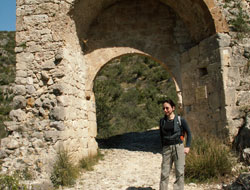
(140, 188)
(148, 141)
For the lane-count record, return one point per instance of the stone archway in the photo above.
(161, 29)
(61, 45)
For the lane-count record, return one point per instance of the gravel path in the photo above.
(131, 162)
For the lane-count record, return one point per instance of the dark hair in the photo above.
(172, 104)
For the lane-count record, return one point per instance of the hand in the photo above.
(186, 150)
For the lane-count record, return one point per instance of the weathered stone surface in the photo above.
(58, 125)
(38, 135)
(243, 98)
(11, 126)
(38, 143)
(10, 143)
(2, 154)
(57, 113)
(52, 135)
(17, 115)
(38, 102)
(19, 102)
(20, 90)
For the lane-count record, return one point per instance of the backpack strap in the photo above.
(179, 120)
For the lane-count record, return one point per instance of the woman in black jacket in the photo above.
(172, 130)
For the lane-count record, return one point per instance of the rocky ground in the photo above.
(131, 162)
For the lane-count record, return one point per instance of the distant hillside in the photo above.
(7, 58)
(128, 93)
(7, 75)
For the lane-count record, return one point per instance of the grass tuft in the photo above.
(64, 171)
(209, 159)
(88, 162)
(11, 182)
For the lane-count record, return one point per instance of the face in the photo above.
(168, 110)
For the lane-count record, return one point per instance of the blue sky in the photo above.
(7, 15)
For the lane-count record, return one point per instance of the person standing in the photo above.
(172, 131)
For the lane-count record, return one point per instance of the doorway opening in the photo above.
(128, 93)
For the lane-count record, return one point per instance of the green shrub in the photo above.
(64, 171)
(11, 182)
(241, 22)
(25, 174)
(5, 108)
(127, 92)
(88, 162)
(208, 159)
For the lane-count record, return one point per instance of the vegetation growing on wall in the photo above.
(128, 91)
(11, 182)
(65, 172)
(240, 22)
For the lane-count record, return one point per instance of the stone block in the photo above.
(38, 102)
(225, 56)
(48, 65)
(19, 102)
(38, 143)
(92, 129)
(23, 59)
(70, 113)
(243, 98)
(230, 99)
(3, 154)
(20, 81)
(231, 76)
(223, 39)
(57, 89)
(92, 147)
(58, 125)
(91, 116)
(30, 89)
(19, 90)
(17, 115)
(21, 73)
(58, 113)
(10, 143)
(11, 126)
(38, 135)
(52, 136)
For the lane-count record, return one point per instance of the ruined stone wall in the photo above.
(236, 72)
(202, 82)
(51, 109)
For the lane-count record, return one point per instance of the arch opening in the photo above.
(128, 93)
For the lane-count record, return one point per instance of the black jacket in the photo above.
(175, 132)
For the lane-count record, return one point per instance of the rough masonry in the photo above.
(62, 44)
